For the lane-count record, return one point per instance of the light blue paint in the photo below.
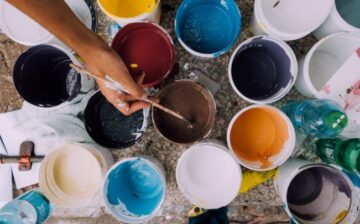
(208, 26)
(355, 179)
(134, 188)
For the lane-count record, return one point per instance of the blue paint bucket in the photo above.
(134, 189)
(208, 28)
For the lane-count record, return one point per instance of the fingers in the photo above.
(141, 78)
(128, 108)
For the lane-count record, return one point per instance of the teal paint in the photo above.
(349, 10)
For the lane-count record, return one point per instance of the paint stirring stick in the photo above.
(157, 105)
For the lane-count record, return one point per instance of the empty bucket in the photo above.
(108, 127)
(146, 47)
(261, 137)
(262, 69)
(208, 176)
(289, 19)
(134, 189)
(43, 77)
(207, 28)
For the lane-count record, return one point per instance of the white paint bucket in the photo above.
(208, 175)
(316, 193)
(289, 19)
(261, 137)
(22, 29)
(134, 189)
(323, 61)
(262, 69)
(150, 13)
(72, 174)
(341, 19)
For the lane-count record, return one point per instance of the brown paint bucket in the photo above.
(190, 100)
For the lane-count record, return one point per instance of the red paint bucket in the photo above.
(146, 47)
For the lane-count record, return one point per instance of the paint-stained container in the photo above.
(207, 28)
(316, 193)
(127, 11)
(43, 77)
(285, 18)
(191, 100)
(146, 47)
(134, 189)
(261, 137)
(208, 175)
(344, 16)
(71, 175)
(262, 69)
(108, 127)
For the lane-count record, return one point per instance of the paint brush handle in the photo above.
(15, 159)
(165, 109)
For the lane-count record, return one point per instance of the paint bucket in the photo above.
(43, 77)
(207, 28)
(146, 47)
(262, 69)
(71, 175)
(344, 16)
(134, 189)
(261, 137)
(190, 100)
(208, 175)
(316, 193)
(289, 19)
(22, 29)
(323, 61)
(108, 127)
(126, 11)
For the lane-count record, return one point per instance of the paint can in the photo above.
(323, 61)
(146, 47)
(71, 175)
(261, 137)
(207, 28)
(316, 193)
(208, 175)
(285, 19)
(126, 11)
(344, 16)
(108, 127)
(135, 189)
(190, 100)
(262, 69)
(43, 77)
(22, 29)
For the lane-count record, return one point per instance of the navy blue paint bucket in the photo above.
(108, 127)
(208, 28)
(43, 77)
(262, 69)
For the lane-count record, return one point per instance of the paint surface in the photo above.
(128, 8)
(191, 101)
(258, 134)
(134, 188)
(349, 11)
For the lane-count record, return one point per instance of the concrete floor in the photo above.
(260, 205)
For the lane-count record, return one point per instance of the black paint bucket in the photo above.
(262, 69)
(109, 127)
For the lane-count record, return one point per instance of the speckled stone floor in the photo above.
(260, 205)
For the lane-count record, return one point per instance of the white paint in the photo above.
(6, 192)
(140, 131)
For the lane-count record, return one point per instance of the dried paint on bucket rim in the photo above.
(146, 47)
(190, 100)
(109, 127)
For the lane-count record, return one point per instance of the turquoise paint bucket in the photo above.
(134, 189)
(208, 28)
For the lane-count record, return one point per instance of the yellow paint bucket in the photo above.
(129, 11)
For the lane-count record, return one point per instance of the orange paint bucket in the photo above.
(261, 137)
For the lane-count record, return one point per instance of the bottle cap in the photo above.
(336, 120)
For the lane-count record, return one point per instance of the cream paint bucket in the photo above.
(289, 19)
(316, 193)
(261, 137)
(344, 16)
(126, 11)
(208, 175)
(72, 174)
(323, 61)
